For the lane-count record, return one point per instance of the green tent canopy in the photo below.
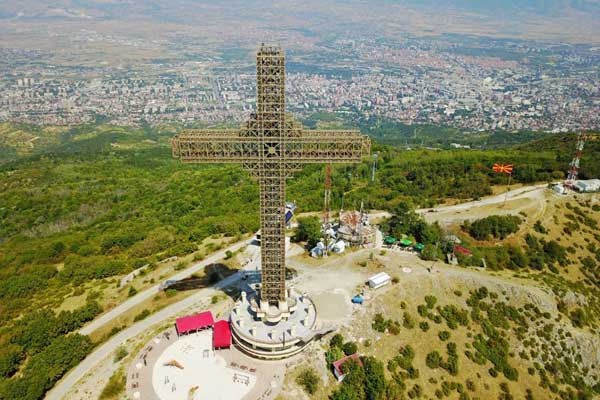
(419, 246)
(390, 240)
(406, 242)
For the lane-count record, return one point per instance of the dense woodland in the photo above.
(99, 201)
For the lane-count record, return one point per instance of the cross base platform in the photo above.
(273, 332)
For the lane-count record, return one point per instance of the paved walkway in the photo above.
(268, 375)
(106, 349)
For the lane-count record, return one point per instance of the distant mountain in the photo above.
(185, 8)
(540, 7)
(557, 20)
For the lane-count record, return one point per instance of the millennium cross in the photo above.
(271, 145)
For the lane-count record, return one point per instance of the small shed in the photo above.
(379, 280)
(194, 323)
(338, 365)
(221, 335)
(591, 185)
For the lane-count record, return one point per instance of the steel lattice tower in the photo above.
(574, 166)
(271, 145)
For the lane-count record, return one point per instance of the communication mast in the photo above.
(374, 167)
(574, 166)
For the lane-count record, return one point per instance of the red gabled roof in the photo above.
(337, 365)
(221, 334)
(195, 322)
(462, 250)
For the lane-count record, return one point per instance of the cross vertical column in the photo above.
(270, 90)
(272, 221)
(270, 117)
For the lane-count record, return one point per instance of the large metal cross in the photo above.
(271, 145)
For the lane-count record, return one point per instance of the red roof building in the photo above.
(462, 250)
(337, 365)
(221, 335)
(194, 323)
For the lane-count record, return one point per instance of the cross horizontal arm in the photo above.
(214, 146)
(339, 146)
(229, 146)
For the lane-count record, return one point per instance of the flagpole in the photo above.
(507, 189)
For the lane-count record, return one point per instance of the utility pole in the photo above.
(374, 167)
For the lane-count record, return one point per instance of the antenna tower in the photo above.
(374, 167)
(574, 166)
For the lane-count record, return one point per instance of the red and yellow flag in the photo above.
(503, 168)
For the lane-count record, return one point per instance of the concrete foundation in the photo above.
(273, 332)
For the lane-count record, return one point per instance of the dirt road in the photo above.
(529, 200)
(152, 291)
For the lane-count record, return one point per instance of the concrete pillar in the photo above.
(292, 330)
(253, 330)
(274, 334)
(264, 306)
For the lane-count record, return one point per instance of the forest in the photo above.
(98, 201)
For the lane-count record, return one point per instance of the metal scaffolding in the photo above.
(271, 145)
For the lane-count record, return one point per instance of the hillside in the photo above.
(564, 147)
(525, 328)
(81, 207)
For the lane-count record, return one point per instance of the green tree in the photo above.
(336, 341)
(46, 367)
(132, 291)
(114, 387)
(433, 360)
(354, 379)
(309, 230)
(309, 380)
(350, 348)
(121, 353)
(496, 226)
(11, 357)
(375, 384)
(333, 354)
(430, 253)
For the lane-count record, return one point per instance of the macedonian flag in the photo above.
(503, 168)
